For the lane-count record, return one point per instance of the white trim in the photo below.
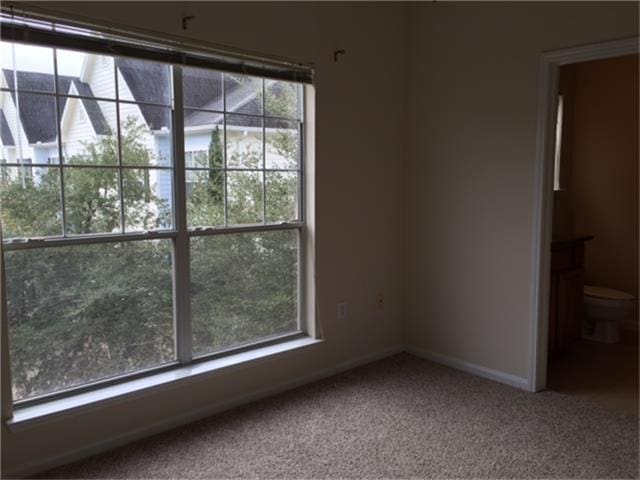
(472, 368)
(543, 191)
(102, 445)
(66, 407)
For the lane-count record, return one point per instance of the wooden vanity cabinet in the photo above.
(567, 291)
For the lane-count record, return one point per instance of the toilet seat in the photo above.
(606, 293)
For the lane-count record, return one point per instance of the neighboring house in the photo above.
(33, 139)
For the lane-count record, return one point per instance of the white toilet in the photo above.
(604, 308)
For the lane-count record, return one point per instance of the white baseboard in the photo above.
(473, 368)
(185, 418)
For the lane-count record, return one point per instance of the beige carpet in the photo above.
(400, 417)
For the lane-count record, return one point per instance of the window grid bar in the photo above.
(102, 167)
(255, 227)
(82, 239)
(59, 140)
(238, 169)
(151, 104)
(181, 255)
(242, 114)
(302, 232)
(264, 155)
(302, 154)
(225, 176)
(119, 133)
(84, 97)
(46, 242)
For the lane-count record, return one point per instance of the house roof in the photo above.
(96, 117)
(138, 75)
(38, 112)
(5, 131)
(148, 82)
(201, 91)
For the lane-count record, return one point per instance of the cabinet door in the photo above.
(570, 298)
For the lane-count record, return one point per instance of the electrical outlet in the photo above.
(343, 310)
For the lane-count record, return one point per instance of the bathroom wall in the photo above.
(469, 176)
(602, 175)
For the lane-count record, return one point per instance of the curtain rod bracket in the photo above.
(336, 53)
(185, 19)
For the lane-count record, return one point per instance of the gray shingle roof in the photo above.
(5, 131)
(38, 112)
(148, 82)
(99, 123)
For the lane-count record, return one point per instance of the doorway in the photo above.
(576, 366)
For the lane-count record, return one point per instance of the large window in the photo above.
(152, 214)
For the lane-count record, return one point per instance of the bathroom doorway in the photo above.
(593, 311)
(586, 276)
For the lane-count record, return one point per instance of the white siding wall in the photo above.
(19, 137)
(76, 127)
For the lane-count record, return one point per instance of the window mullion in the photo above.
(225, 166)
(264, 154)
(181, 294)
(119, 142)
(63, 216)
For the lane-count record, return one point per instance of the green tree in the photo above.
(216, 164)
(82, 313)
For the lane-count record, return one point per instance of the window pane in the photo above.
(30, 201)
(145, 135)
(243, 94)
(283, 144)
(9, 137)
(244, 141)
(244, 197)
(148, 198)
(143, 81)
(26, 66)
(98, 75)
(89, 131)
(92, 200)
(243, 288)
(282, 196)
(202, 88)
(203, 139)
(283, 99)
(36, 139)
(87, 312)
(205, 198)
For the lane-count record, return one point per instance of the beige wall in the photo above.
(466, 211)
(470, 168)
(360, 128)
(602, 183)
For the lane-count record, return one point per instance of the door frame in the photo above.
(550, 62)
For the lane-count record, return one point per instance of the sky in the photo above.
(39, 59)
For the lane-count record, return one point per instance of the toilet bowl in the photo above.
(604, 308)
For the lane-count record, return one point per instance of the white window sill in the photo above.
(82, 402)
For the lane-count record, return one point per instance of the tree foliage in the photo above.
(87, 312)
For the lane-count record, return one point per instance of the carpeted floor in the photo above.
(400, 417)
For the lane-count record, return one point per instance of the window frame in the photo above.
(180, 235)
